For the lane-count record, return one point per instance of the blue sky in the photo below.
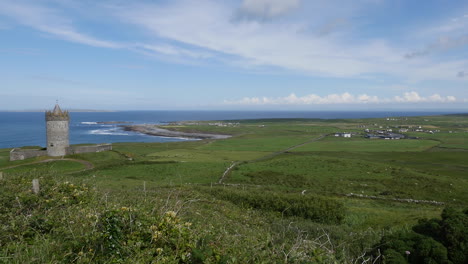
(234, 54)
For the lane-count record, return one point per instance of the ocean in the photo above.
(19, 129)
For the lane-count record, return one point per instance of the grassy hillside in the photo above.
(295, 194)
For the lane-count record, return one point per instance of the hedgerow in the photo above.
(318, 209)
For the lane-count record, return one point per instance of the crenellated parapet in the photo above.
(62, 116)
(57, 114)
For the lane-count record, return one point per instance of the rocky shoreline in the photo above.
(113, 122)
(154, 130)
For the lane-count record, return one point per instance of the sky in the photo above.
(234, 54)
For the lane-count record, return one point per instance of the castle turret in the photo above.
(57, 123)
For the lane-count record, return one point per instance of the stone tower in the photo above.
(57, 123)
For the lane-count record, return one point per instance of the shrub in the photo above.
(451, 231)
(81, 229)
(431, 241)
(315, 208)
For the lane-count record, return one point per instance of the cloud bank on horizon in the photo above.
(345, 98)
(335, 48)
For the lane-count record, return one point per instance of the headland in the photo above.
(155, 130)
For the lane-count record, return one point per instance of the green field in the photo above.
(64, 166)
(332, 143)
(295, 194)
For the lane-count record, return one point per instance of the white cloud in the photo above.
(260, 44)
(410, 97)
(171, 50)
(287, 45)
(414, 97)
(268, 8)
(185, 31)
(70, 34)
(345, 98)
(49, 21)
(368, 99)
(442, 44)
(442, 36)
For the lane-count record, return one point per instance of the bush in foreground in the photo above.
(68, 223)
(431, 241)
(74, 223)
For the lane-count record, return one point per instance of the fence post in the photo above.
(144, 188)
(1, 175)
(35, 186)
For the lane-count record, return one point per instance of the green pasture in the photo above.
(257, 143)
(141, 150)
(340, 176)
(62, 166)
(457, 140)
(385, 215)
(448, 164)
(4, 157)
(332, 143)
(158, 173)
(202, 155)
(102, 159)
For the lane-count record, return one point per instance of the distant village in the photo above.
(370, 131)
(389, 132)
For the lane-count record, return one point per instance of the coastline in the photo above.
(154, 130)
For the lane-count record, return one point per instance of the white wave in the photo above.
(89, 123)
(113, 132)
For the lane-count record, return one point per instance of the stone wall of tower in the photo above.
(57, 136)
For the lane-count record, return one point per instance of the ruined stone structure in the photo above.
(58, 142)
(87, 149)
(21, 154)
(57, 123)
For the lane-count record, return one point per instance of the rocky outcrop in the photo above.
(161, 132)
